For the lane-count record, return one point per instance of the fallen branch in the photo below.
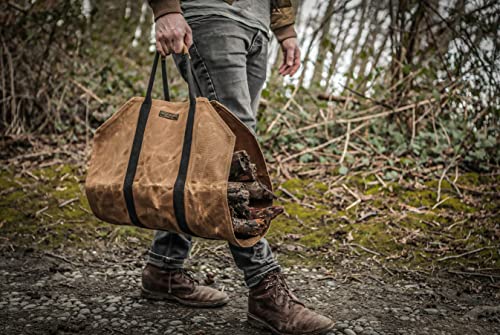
(365, 249)
(323, 145)
(465, 254)
(87, 91)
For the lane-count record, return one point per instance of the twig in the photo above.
(40, 211)
(61, 258)
(88, 91)
(363, 118)
(323, 145)
(353, 204)
(439, 203)
(67, 202)
(288, 193)
(476, 274)
(346, 144)
(465, 253)
(276, 119)
(365, 249)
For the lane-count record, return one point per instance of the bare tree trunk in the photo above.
(349, 73)
(324, 45)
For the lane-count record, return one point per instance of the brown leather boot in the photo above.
(272, 306)
(178, 285)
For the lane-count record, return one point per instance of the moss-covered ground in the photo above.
(399, 223)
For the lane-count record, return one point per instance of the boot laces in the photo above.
(185, 274)
(277, 282)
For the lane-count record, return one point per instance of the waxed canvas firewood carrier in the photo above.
(164, 165)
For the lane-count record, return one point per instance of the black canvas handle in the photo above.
(164, 79)
(180, 182)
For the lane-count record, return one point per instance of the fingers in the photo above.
(188, 37)
(290, 56)
(283, 65)
(162, 47)
(172, 33)
(162, 42)
(176, 41)
(159, 48)
(291, 61)
(296, 62)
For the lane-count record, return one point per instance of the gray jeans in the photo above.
(229, 60)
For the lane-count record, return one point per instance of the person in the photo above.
(228, 41)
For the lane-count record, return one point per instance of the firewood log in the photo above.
(256, 189)
(243, 187)
(247, 228)
(259, 221)
(241, 168)
(268, 213)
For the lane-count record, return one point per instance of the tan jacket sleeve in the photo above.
(162, 7)
(282, 15)
(283, 20)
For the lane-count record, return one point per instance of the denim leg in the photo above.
(169, 250)
(230, 61)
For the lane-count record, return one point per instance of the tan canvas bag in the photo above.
(164, 165)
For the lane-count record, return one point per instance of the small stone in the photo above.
(358, 329)
(197, 319)
(348, 331)
(111, 309)
(176, 323)
(341, 325)
(432, 311)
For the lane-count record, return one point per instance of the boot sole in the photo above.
(170, 297)
(261, 324)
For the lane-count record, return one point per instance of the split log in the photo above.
(239, 200)
(241, 168)
(247, 228)
(256, 190)
(259, 220)
(243, 187)
(267, 214)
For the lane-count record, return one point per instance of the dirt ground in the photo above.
(91, 291)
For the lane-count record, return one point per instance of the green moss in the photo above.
(403, 236)
(301, 188)
(373, 190)
(457, 205)
(316, 239)
(54, 226)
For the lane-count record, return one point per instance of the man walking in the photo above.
(227, 41)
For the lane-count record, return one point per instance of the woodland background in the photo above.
(385, 142)
(383, 150)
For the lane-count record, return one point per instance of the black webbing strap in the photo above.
(180, 182)
(166, 93)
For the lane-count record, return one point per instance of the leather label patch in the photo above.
(167, 115)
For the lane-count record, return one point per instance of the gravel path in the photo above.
(90, 292)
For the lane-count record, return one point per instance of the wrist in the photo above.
(167, 14)
(164, 7)
(285, 33)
